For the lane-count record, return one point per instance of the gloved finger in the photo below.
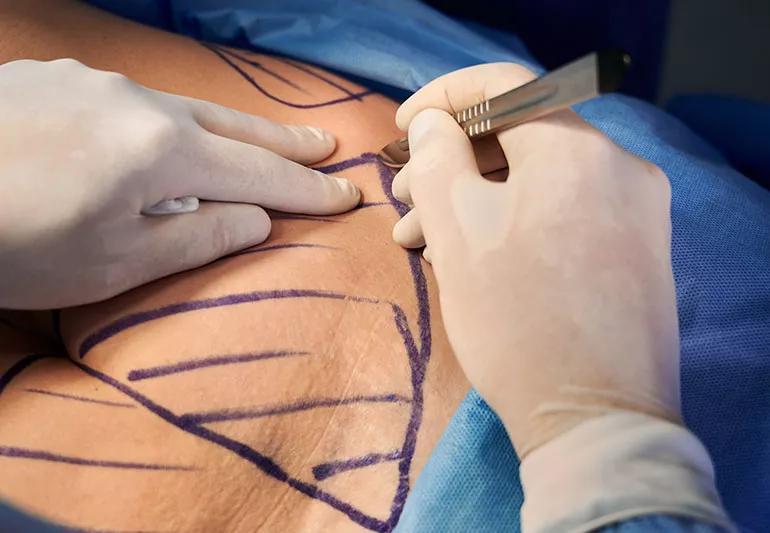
(407, 232)
(426, 254)
(463, 88)
(232, 171)
(400, 187)
(172, 244)
(441, 157)
(303, 144)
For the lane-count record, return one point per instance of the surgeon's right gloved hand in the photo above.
(557, 294)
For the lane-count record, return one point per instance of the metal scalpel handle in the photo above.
(575, 82)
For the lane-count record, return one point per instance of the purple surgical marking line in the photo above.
(418, 360)
(386, 175)
(195, 364)
(365, 205)
(41, 455)
(81, 398)
(255, 250)
(290, 62)
(18, 367)
(321, 77)
(135, 319)
(288, 216)
(254, 84)
(363, 159)
(261, 67)
(224, 415)
(264, 463)
(332, 468)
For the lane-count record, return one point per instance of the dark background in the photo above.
(678, 46)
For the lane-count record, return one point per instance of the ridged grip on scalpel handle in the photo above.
(575, 82)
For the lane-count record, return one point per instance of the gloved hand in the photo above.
(556, 285)
(87, 156)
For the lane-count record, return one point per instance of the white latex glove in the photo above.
(557, 295)
(556, 285)
(86, 155)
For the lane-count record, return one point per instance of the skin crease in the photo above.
(351, 349)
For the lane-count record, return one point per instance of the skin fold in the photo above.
(298, 386)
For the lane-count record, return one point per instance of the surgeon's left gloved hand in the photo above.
(88, 159)
(557, 295)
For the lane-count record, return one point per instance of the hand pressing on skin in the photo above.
(87, 157)
(556, 285)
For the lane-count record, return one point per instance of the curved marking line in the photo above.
(332, 468)
(18, 367)
(303, 68)
(287, 216)
(418, 359)
(195, 364)
(255, 250)
(302, 405)
(81, 398)
(364, 205)
(261, 67)
(41, 455)
(364, 159)
(287, 61)
(134, 319)
(264, 463)
(254, 84)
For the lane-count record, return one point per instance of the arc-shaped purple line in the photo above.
(303, 68)
(18, 367)
(189, 365)
(289, 216)
(80, 398)
(263, 462)
(261, 67)
(294, 64)
(245, 75)
(134, 319)
(332, 468)
(224, 415)
(42, 455)
(418, 359)
(290, 62)
(364, 205)
(363, 159)
(259, 248)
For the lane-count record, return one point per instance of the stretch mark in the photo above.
(263, 462)
(303, 405)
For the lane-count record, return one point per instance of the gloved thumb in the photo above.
(441, 155)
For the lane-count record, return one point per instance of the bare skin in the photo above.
(298, 387)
